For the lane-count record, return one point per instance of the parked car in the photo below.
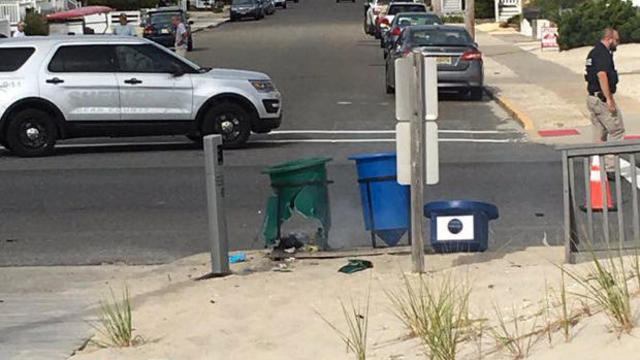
(281, 3)
(246, 8)
(158, 27)
(460, 66)
(384, 19)
(93, 86)
(401, 21)
(375, 8)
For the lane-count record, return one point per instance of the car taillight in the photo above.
(396, 31)
(385, 21)
(471, 55)
(149, 30)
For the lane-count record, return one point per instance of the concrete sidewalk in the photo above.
(207, 19)
(542, 92)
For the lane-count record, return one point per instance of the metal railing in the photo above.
(10, 12)
(590, 230)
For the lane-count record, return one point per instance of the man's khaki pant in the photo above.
(606, 125)
(180, 50)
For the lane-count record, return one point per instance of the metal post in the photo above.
(215, 204)
(634, 198)
(587, 205)
(417, 165)
(605, 201)
(566, 207)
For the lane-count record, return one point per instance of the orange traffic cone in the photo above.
(596, 187)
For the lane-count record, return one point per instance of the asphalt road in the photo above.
(143, 200)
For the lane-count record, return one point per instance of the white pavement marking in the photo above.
(344, 103)
(337, 132)
(335, 141)
(625, 172)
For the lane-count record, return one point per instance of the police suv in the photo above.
(55, 88)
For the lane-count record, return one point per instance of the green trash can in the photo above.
(298, 185)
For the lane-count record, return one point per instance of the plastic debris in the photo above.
(236, 258)
(356, 265)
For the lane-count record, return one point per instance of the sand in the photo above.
(258, 313)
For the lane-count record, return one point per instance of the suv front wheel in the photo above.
(229, 120)
(31, 132)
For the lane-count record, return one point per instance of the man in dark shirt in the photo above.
(602, 79)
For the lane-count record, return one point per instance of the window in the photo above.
(440, 38)
(83, 58)
(405, 8)
(412, 20)
(147, 59)
(11, 59)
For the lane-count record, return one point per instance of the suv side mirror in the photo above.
(176, 70)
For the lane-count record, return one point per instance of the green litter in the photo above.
(356, 265)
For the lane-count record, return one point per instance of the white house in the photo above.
(15, 10)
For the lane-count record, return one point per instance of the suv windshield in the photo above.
(242, 2)
(163, 17)
(439, 37)
(395, 9)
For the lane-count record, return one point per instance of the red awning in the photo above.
(79, 12)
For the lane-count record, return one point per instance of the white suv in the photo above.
(88, 86)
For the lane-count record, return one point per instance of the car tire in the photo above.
(296, 1)
(475, 93)
(31, 133)
(284, 5)
(231, 121)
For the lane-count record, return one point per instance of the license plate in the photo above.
(164, 31)
(445, 60)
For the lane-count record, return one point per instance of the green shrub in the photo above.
(485, 9)
(453, 19)
(125, 4)
(551, 9)
(583, 24)
(35, 24)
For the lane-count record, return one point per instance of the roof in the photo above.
(70, 39)
(165, 9)
(416, 13)
(437, 27)
(79, 12)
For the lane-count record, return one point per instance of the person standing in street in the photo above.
(19, 31)
(182, 36)
(602, 79)
(124, 28)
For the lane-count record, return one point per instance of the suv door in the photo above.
(81, 81)
(149, 87)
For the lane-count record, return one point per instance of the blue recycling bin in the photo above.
(385, 203)
(460, 226)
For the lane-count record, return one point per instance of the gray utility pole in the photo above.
(215, 203)
(417, 165)
(470, 18)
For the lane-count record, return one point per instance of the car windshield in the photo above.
(242, 2)
(413, 20)
(162, 17)
(383, 2)
(439, 37)
(395, 9)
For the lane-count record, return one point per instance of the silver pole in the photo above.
(215, 204)
(417, 165)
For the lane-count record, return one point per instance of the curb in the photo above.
(224, 20)
(510, 107)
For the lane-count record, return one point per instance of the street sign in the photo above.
(431, 87)
(432, 161)
(404, 82)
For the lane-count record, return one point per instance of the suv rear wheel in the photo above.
(229, 120)
(31, 132)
